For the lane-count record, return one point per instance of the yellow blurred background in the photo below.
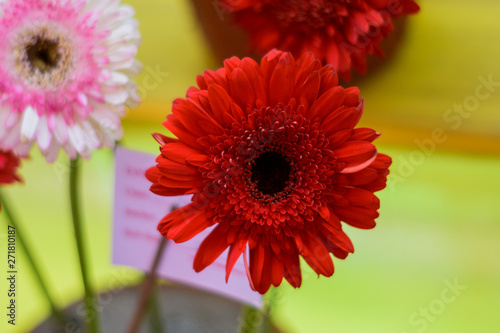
(431, 264)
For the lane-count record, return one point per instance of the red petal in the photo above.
(354, 153)
(382, 162)
(175, 126)
(169, 167)
(359, 167)
(329, 78)
(292, 271)
(277, 270)
(210, 249)
(164, 191)
(338, 138)
(265, 281)
(189, 227)
(185, 111)
(317, 256)
(362, 209)
(162, 139)
(197, 160)
(307, 93)
(268, 64)
(181, 181)
(218, 77)
(324, 212)
(241, 90)
(231, 64)
(363, 177)
(326, 103)
(235, 252)
(336, 235)
(257, 259)
(153, 174)
(236, 112)
(306, 65)
(220, 101)
(282, 81)
(364, 134)
(178, 152)
(359, 217)
(341, 120)
(254, 75)
(352, 97)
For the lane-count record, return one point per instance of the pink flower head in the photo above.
(65, 74)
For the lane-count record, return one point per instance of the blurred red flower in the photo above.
(8, 167)
(341, 32)
(272, 158)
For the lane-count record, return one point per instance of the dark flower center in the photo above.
(43, 54)
(44, 57)
(270, 172)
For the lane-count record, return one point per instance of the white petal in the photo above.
(106, 117)
(117, 97)
(126, 31)
(117, 79)
(29, 124)
(123, 53)
(44, 136)
(92, 137)
(76, 138)
(121, 14)
(61, 130)
(134, 99)
(70, 150)
(121, 64)
(101, 5)
(52, 152)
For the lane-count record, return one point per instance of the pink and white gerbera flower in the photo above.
(65, 74)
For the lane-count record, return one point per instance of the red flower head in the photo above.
(340, 32)
(272, 159)
(8, 167)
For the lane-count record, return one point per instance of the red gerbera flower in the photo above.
(272, 158)
(340, 32)
(8, 167)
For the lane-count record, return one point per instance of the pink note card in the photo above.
(137, 212)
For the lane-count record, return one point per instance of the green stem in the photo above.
(92, 314)
(24, 244)
(268, 310)
(259, 320)
(155, 320)
(252, 318)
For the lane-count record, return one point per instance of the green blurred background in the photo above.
(431, 264)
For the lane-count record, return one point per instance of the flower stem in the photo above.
(259, 320)
(268, 309)
(147, 287)
(252, 319)
(24, 244)
(92, 314)
(155, 320)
